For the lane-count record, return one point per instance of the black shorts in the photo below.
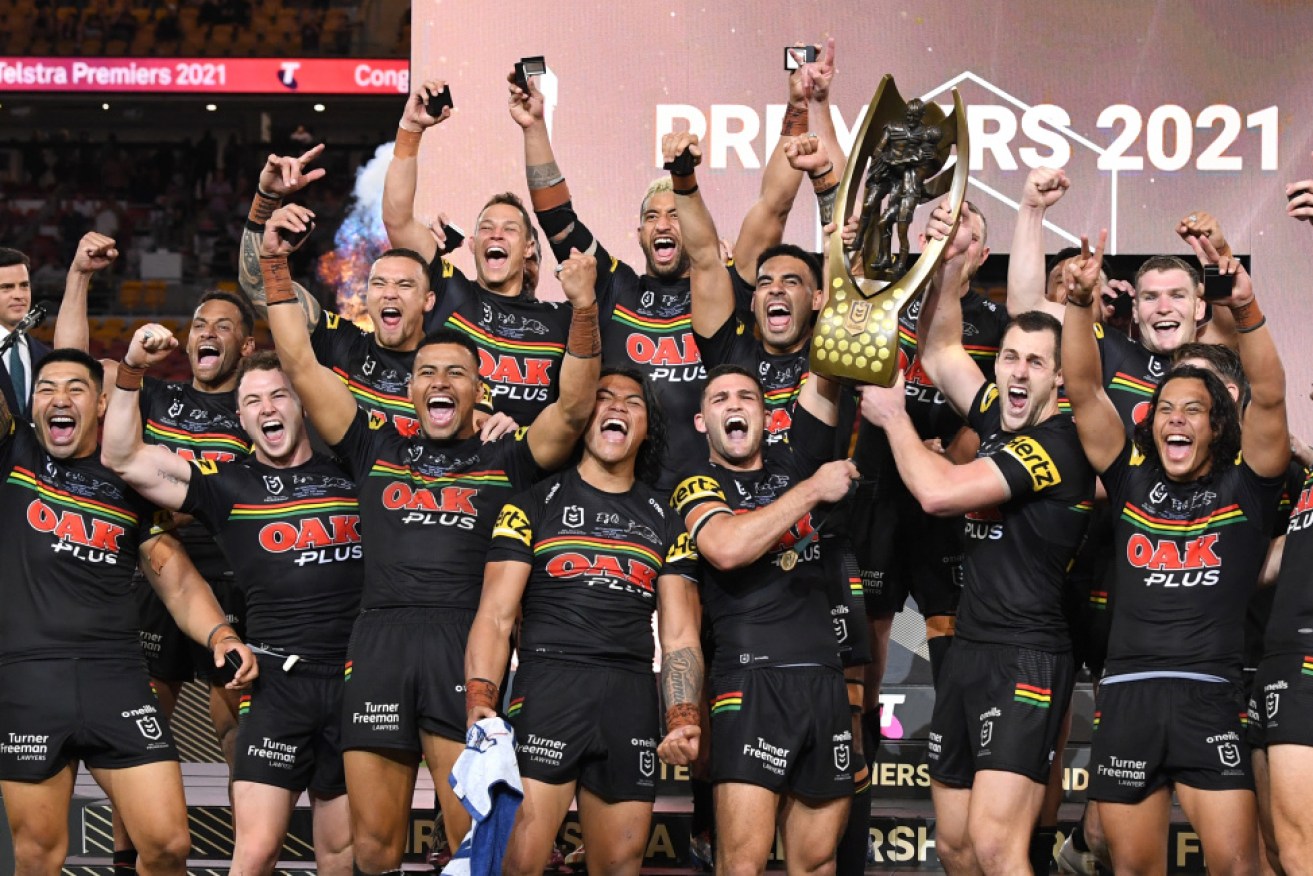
(1283, 698)
(405, 672)
(100, 712)
(785, 729)
(1157, 731)
(290, 726)
(592, 724)
(901, 549)
(847, 601)
(997, 707)
(170, 654)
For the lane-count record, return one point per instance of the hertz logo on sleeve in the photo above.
(682, 549)
(1031, 454)
(513, 523)
(331, 320)
(206, 466)
(695, 488)
(991, 396)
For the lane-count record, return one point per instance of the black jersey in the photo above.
(379, 379)
(195, 425)
(427, 510)
(983, 324)
(1017, 554)
(72, 529)
(294, 536)
(776, 610)
(1290, 627)
(596, 559)
(1131, 374)
(521, 340)
(781, 374)
(1187, 558)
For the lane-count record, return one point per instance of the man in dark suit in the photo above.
(16, 365)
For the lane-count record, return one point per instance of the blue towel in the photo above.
(487, 781)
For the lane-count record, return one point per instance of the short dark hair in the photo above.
(77, 357)
(787, 249)
(260, 360)
(450, 336)
(1167, 263)
(239, 301)
(513, 200)
(1223, 418)
(647, 468)
(1039, 321)
(1222, 360)
(722, 370)
(400, 252)
(10, 257)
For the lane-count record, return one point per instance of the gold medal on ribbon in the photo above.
(902, 148)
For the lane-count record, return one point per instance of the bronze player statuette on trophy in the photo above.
(903, 147)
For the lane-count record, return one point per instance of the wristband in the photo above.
(681, 715)
(795, 121)
(683, 183)
(407, 145)
(129, 377)
(277, 280)
(1074, 303)
(209, 640)
(480, 692)
(262, 207)
(686, 192)
(585, 341)
(1248, 317)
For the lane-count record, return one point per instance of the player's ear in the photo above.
(699, 423)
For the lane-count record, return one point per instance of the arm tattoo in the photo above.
(252, 282)
(681, 676)
(166, 476)
(825, 201)
(543, 176)
(248, 271)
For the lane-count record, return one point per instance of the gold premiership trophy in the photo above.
(906, 145)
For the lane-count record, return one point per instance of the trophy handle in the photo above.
(857, 337)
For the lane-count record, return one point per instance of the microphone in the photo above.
(34, 318)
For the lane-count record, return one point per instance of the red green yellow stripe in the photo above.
(1098, 717)
(651, 323)
(730, 701)
(609, 545)
(384, 469)
(169, 435)
(484, 337)
(24, 478)
(1141, 519)
(514, 708)
(371, 395)
(298, 508)
(1308, 666)
(244, 704)
(1084, 507)
(346, 670)
(1031, 695)
(855, 584)
(1099, 598)
(1132, 384)
(980, 352)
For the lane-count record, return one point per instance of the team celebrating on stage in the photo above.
(350, 536)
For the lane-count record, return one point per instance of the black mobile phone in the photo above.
(796, 56)
(296, 238)
(534, 65)
(232, 661)
(455, 237)
(438, 102)
(1217, 286)
(1121, 305)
